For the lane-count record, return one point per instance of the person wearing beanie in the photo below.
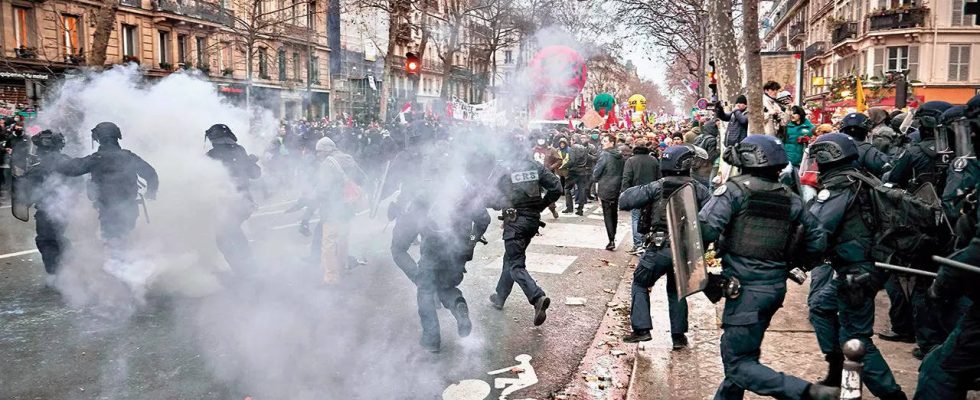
(738, 121)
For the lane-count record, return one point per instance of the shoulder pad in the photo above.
(720, 190)
(959, 164)
(823, 195)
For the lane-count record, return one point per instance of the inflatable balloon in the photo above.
(637, 102)
(604, 103)
(558, 74)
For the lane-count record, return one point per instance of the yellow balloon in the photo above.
(638, 102)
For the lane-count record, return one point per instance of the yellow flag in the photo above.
(861, 102)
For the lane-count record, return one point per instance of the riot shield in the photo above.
(20, 162)
(685, 242)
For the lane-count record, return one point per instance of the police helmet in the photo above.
(973, 107)
(220, 134)
(106, 131)
(677, 158)
(757, 151)
(48, 140)
(929, 113)
(855, 124)
(833, 147)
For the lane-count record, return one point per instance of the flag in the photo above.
(861, 102)
(401, 114)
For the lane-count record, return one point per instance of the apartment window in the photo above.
(70, 42)
(164, 39)
(225, 58)
(898, 58)
(182, 49)
(282, 64)
(959, 62)
(508, 56)
(296, 66)
(295, 11)
(960, 18)
(311, 14)
(200, 44)
(263, 65)
(314, 69)
(23, 25)
(129, 40)
(878, 68)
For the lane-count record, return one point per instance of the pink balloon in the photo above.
(558, 74)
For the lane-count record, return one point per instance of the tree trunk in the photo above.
(753, 64)
(423, 43)
(447, 67)
(387, 81)
(105, 21)
(729, 71)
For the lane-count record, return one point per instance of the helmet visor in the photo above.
(963, 138)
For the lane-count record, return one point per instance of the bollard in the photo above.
(850, 383)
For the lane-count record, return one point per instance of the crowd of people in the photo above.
(831, 200)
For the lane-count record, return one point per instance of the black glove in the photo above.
(855, 288)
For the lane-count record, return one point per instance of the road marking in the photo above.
(19, 253)
(576, 235)
(475, 389)
(540, 262)
(312, 221)
(4, 206)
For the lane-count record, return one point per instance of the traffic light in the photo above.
(712, 80)
(411, 63)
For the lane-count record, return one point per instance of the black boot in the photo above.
(679, 341)
(638, 336)
(835, 367)
(540, 306)
(899, 395)
(817, 391)
(462, 315)
(495, 302)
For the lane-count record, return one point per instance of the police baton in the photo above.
(956, 264)
(900, 268)
(146, 212)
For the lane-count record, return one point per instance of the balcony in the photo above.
(196, 9)
(797, 32)
(902, 18)
(814, 50)
(779, 44)
(847, 30)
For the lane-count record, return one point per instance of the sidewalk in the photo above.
(790, 346)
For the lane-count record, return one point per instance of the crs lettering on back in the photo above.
(524, 176)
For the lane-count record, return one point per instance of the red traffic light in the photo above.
(411, 63)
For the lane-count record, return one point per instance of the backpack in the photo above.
(352, 193)
(906, 229)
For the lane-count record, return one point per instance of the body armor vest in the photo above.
(653, 217)
(762, 228)
(525, 189)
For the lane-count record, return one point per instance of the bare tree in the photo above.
(399, 14)
(259, 26)
(450, 42)
(105, 21)
(673, 25)
(753, 63)
(494, 29)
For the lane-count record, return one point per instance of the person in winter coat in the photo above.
(799, 132)
(551, 159)
(882, 136)
(738, 121)
(608, 173)
(639, 170)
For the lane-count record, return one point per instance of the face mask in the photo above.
(595, 137)
(540, 142)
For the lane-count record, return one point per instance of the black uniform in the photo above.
(230, 237)
(114, 175)
(46, 190)
(521, 182)
(404, 172)
(873, 160)
(449, 234)
(917, 166)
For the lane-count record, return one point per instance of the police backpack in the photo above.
(906, 228)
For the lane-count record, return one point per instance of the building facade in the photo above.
(45, 39)
(932, 41)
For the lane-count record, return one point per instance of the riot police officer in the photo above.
(404, 172)
(753, 221)
(455, 221)
(520, 182)
(675, 164)
(857, 126)
(242, 167)
(846, 237)
(952, 369)
(921, 162)
(45, 188)
(958, 196)
(115, 173)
